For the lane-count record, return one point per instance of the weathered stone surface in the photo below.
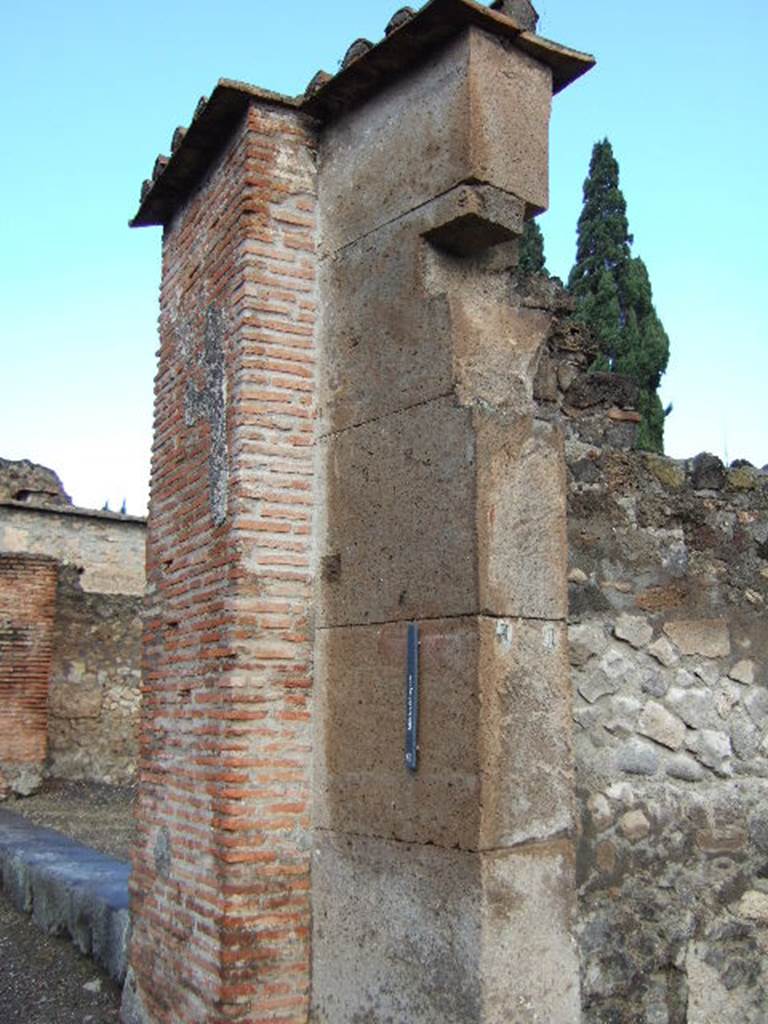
(601, 389)
(694, 705)
(681, 766)
(754, 905)
(712, 748)
(663, 651)
(73, 700)
(409, 483)
(661, 726)
(597, 684)
(586, 640)
(745, 737)
(637, 757)
(94, 694)
(70, 889)
(26, 780)
(374, 899)
(756, 703)
(635, 630)
(656, 684)
(600, 811)
(743, 672)
(717, 999)
(521, 518)
(668, 472)
(623, 715)
(708, 637)
(634, 826)
(108, 548)
(500, 138)
(394, 487)
(28, 482)
(707, 472)
(493, 696)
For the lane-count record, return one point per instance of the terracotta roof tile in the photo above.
(409, 37)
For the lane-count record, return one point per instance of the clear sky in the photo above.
(94, 90)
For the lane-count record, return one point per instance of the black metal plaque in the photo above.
(412, 700)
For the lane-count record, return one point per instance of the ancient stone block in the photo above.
(387, 947)
(708, 637)
(586, 640)
(661, 726)
(493, 699)
(635, 630)
(480, 496)
(453, 328)
(743, 672)
(681, 766)
(663, 651)
(480, 112)
(392, 488)
(521, 518)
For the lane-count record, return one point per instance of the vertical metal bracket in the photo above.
(412, 700)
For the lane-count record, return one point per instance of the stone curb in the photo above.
(69, 889)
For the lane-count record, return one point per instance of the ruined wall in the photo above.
(108, 548)
(27, 603)
(668, 579)
(441, 501)
(220, 890)
(95, 689)
(95, 680)
(669, 648)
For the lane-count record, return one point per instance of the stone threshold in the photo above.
(70, 890)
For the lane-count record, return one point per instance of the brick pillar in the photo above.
(27, 611)
(220, 888)
(443, 894)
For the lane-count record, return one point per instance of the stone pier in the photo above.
(346, 443)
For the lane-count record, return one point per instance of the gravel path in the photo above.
(44, 980)
(98, 815)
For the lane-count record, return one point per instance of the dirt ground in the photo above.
(93, 813)
(44, 980)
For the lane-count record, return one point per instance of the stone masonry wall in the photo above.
(94, 690)
(668, 581)
(669, 648)
(220, 890)
(106, 547)
(27, 601)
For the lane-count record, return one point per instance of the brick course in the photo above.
(220, 886)
(27, 603)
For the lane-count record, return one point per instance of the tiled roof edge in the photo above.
(366, 67)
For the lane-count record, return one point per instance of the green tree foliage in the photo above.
(613, 294)
(532, 259)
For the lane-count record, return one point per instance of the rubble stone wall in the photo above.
(669, 652)
(668, 582)
(95, 689)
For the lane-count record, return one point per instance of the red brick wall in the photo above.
(220, 891)
(27, 608)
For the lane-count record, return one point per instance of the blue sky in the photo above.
(93, 91)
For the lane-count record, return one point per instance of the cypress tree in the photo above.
(532, 259)
(613, 294)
